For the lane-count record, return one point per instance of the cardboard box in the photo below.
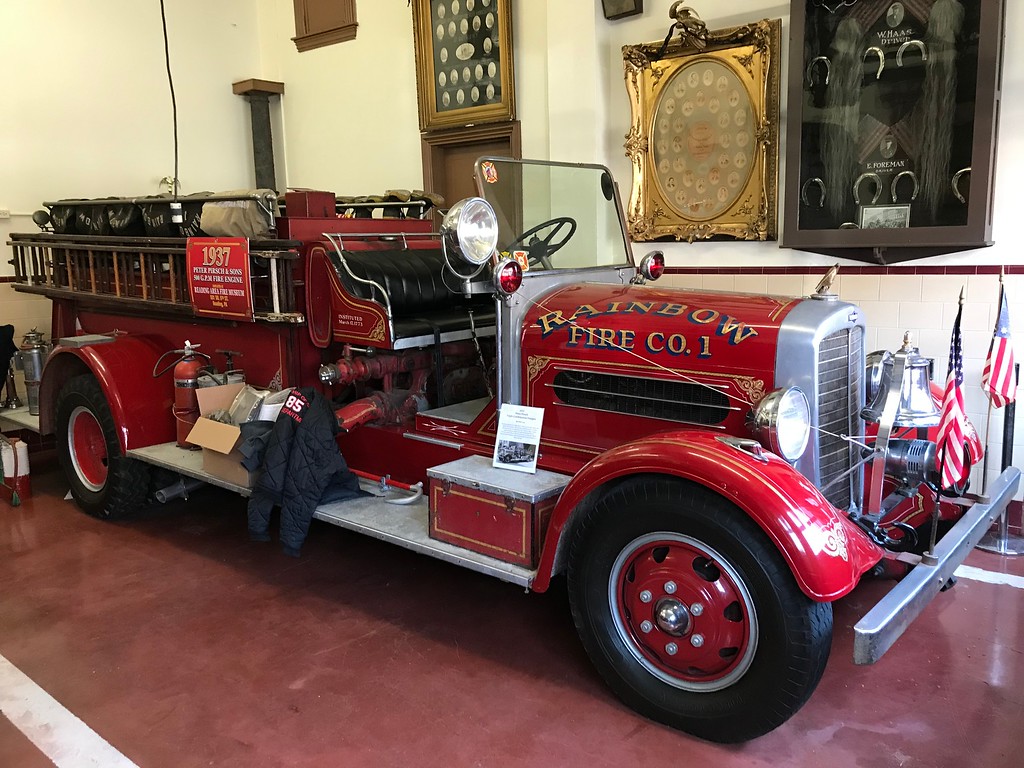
(220, 441)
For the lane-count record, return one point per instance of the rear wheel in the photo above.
(690, 613)
(103, 482)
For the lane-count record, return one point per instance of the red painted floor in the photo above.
(183, 644)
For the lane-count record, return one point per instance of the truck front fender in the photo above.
(825, 551)
(139, 403)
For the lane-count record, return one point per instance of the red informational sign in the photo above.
(218, 277)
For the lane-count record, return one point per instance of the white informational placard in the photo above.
(518, 440)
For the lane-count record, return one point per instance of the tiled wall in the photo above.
(898, 299)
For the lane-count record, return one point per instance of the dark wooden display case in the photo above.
(891, 138)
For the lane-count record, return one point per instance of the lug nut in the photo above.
(697, 641)
(646, 626)
(696, 609)
(670, 587)
(645, 596)
(671, 649)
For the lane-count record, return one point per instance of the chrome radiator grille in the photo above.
(840, 394)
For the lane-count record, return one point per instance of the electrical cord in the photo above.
(174, 103)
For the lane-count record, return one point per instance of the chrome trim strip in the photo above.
(432, 440)
(386, 300)
(889, 618)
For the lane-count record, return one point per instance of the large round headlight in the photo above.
(470, 229)
(782, 421)
(875, 369)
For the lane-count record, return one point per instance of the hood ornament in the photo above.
(823, 292)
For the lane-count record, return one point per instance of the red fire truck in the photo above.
(704, 480)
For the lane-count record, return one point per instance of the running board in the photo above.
(883, 624)
(406, 526)
(184, 462)
(403, 524)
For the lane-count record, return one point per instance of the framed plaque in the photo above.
(218, 277)
(703, 138)
(618, 9)
(464, 70)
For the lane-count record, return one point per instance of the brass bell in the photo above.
(916, 408)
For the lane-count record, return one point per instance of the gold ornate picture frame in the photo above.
(703, 138)
(464, 62)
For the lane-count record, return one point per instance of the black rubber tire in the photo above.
(794, 632)
(126, 486)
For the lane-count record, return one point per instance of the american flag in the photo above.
(950, 452)
(998, 380)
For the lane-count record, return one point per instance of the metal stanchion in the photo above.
(1002, 543)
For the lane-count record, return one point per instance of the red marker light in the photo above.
(653, 265)
(508, 276)
(657, 266)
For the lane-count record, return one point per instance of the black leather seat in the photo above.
(421, 296)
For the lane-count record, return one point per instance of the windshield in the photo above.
(552, 215)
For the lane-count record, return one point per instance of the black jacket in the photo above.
(300, 461)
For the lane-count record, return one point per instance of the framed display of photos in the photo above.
(619, 9)
(891, 131)
(464, 69)
(703, 138)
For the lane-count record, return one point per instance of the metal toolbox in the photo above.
(492, 511)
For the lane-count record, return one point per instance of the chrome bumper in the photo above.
(883, 624)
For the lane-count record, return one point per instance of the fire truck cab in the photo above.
(714, 469)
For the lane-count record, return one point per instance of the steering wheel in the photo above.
(541, 249)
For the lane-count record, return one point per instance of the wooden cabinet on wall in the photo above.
(323, 22)
(893, 110)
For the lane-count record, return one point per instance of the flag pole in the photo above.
(1003, 542)
(983, 496)
(955, 350)
(1000, 380)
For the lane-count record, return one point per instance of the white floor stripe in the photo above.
(61, 736)
(990, 577)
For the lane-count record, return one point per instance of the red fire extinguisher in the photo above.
(186, 379)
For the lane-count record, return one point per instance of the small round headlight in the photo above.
(470, 229)
(782, 421)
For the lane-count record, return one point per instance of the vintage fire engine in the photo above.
(704, 481)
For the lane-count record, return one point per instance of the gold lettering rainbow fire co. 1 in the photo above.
(733, 331)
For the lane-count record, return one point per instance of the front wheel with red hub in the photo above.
(690, 613)
(105, 483)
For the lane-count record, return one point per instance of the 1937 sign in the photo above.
(218, 277)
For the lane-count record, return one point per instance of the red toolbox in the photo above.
(492, 511)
